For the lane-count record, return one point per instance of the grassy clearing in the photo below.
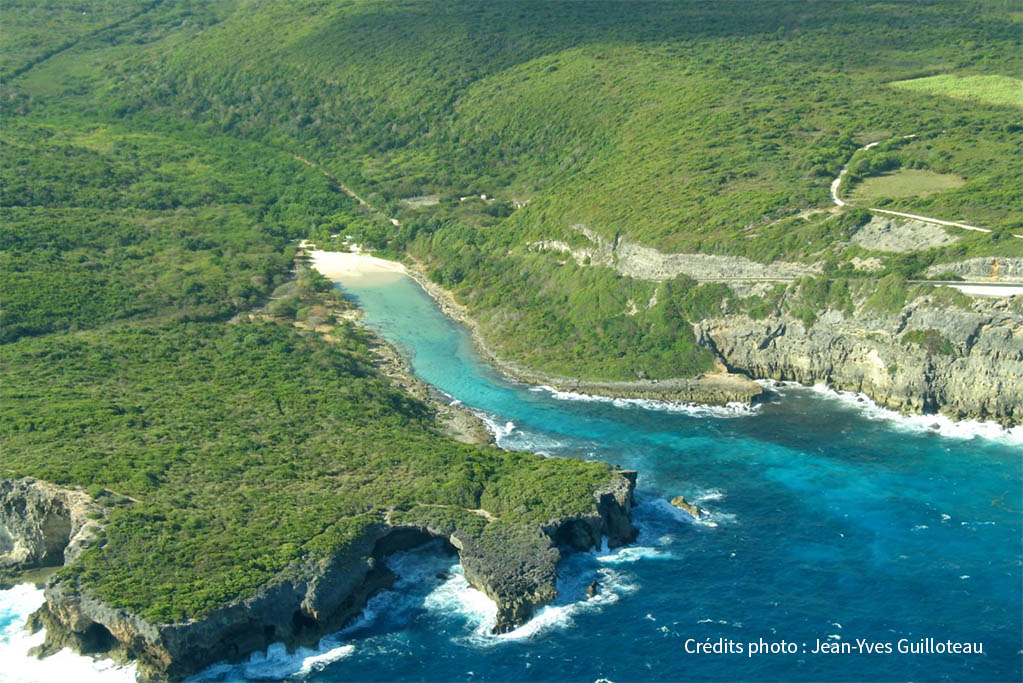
(906, 182)
(33, 30)
(990, 89)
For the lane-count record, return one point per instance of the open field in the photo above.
(988, 89)
(906, 182)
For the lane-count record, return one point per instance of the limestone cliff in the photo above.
(514, 564)
(42, 525)
(926, 358)
(646, 263)
(996, 268)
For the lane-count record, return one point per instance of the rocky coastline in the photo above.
(974, 373)
(44, 527)
(927, 358)
(514, 564)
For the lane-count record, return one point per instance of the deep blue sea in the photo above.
(831, 520)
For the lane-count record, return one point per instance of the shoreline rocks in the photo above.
(967, 364)
(694, 511)
(514, 564)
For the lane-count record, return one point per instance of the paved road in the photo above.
(984, 288)
(973, 288)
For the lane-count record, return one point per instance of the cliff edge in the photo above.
(515, 564)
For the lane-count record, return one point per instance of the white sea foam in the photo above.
(493, 426)
(634, 553)
(734, 409)
(276, 663)
(521, 440)
(572, 601)
(456, 596)
(708, 496)
(413, 568)
(713, 519)
(932, 423)
(17, 666)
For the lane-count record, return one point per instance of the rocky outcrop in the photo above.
(517, 568)
(514, 564)
(890, 233)
(694, 511)
(646, 263)
(996, 268)
(42, 525)
(717, 389)
(927, 358)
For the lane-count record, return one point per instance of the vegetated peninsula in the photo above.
(621, 196)
(244, 482)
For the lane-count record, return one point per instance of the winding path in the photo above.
(838, 201)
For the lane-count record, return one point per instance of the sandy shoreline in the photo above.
(353, 265)
(716, 389)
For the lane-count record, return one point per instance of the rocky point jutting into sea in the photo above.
(515, 565)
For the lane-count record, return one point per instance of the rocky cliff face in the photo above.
(42, 525)
(513, 564)
(965, 363)
(646, 263)
(995, 268)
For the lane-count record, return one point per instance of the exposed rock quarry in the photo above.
(889, 233)
(975, 369)
(514, 564)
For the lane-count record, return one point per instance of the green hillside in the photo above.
(690, 127)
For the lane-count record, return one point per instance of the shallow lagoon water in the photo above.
(829, 520)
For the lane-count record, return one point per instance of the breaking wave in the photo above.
(17, 666)
(734, 409)
(931, 423)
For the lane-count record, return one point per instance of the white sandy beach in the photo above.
(343, 266)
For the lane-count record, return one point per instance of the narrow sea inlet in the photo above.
(829, 522)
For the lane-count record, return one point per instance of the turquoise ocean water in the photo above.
(831, 521)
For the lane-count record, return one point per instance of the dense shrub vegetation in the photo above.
(151, 194)
(247, 448)
(708, 127)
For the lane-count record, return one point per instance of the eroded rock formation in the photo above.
(514, 564)
(42, 525)
(965, 363)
